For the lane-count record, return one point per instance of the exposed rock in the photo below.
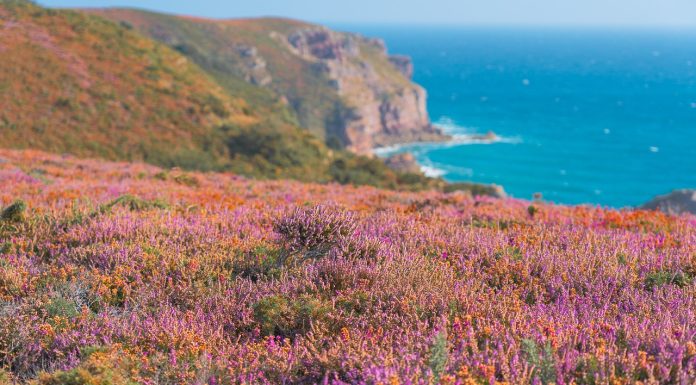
(402, 63)
(323, 44)
(377, 43)
(404, 162)
(476, 189)
(676, 202)
(379, 109)
(488, 136)
(254, 66)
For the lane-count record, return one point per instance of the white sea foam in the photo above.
(461, 136)
(433, 172)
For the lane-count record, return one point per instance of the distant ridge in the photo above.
(344, 88)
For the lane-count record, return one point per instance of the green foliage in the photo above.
(14, 212)
(133, 203)
(544, 362)
(358, 170)
(62, 307)
(587, 370)
(262, 262)
(475, 189)
(100, 367)
(278, 315)
(187, 180)
(278, 153)
(661, 278)
(439, 354)
(532, 210)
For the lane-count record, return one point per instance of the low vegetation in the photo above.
(129, 274)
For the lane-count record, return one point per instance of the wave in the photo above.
(461, 135)
(432, 172)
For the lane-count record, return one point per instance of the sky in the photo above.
(662, 13)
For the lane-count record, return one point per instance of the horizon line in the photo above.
(419, 23)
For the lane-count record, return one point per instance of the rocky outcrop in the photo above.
(676, 202)
(253, 66)
(402, 63)
(381, 105)
(404, 162)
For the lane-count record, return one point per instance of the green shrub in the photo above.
(543, 362)
(663, 277)
(475, 189)
(281, 316)
(14, 212)
(62, 307)
(358, 170)
(100, 367)
(187, 180)
(439, 354)
(532, 210)
(133, 203)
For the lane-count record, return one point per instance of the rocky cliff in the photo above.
(343, 87)
(383, 106)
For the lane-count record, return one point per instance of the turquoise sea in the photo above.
(595, 116)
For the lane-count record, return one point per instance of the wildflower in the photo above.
(690, 349)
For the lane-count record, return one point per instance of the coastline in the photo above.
(455, 139)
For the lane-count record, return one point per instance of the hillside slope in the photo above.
(76, 83)
(117, 274)
(343, 87)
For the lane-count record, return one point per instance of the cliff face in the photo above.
(382, 106)
(341, 86)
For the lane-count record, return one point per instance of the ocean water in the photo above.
(604, 117)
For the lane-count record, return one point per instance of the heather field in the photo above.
(116, 273)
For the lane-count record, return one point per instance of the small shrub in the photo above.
(532, 210)
(61, 307)
(439, 354)
(187, 180)
(663, 277)
(358, 249)
(98, 368)
(6, 377)
(476, 189)
(544, 362)
(162, 175)
(133, 203)
(281, 316)
(14, 212)
(257, 264)
(314, 231)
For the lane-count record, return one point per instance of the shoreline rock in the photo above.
(675, 203)
(403, 162)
